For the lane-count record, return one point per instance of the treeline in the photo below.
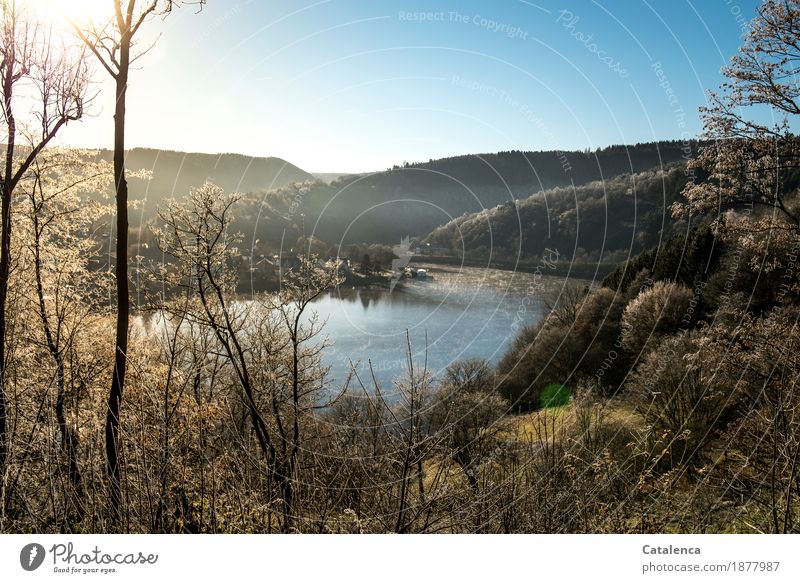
(550, 169)
(414, 199)
(607, 220)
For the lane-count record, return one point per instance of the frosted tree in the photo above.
(112, 43)
(57, 247)
(752, 163)
(43, 86)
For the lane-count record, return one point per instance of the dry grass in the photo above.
(564, 420)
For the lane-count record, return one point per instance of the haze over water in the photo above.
(457, 313)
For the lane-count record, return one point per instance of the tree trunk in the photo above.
(123, 300)
(69, 440)
(5, 266)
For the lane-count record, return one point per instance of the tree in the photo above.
(753, 165)
(403, 424)
(752, 364)
(112, 43)
(679, 408)
(366, 264)
(296, 382)
(466, 411)
(268, 342)
(60, 244)
(30, 57)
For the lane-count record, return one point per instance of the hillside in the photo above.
(174, 174)
(416, 198)
(601, 219)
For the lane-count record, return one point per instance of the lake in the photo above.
(457, 313)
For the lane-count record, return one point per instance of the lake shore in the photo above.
(592, 271)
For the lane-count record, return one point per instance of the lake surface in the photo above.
(456, 314)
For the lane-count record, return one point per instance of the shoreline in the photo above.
(590, 271)
(382, 280)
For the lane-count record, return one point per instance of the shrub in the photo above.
(681, 409)
(658, 311)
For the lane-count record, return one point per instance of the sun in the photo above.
(60, 13)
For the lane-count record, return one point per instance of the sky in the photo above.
(356, 86)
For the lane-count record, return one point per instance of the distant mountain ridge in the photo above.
(552, 168)
(283, 204)
(333, 176)
(175, 173)
(414, 199)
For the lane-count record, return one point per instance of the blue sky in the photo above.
(347, 85)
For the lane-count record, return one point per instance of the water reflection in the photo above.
(456, 314)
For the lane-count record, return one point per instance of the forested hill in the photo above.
(609, 219)
(413, 199)
(549, 169)
(174, 174)
(283, 201)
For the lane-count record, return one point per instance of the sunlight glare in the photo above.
(80, 12)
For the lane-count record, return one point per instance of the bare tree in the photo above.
(112, 44)
(751, 164)
(61, 246)
(466, 410)
(32, 64)
(405, 428)
(268, 343)
(293, 390)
